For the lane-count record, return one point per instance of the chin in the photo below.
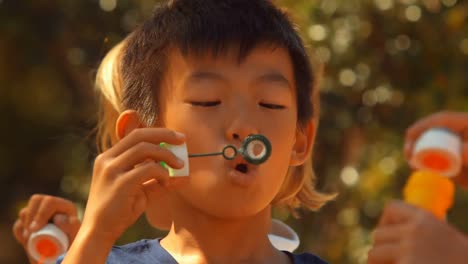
(225, 205)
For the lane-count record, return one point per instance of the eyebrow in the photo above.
(206, 75)
(268, 77)
(274, 77)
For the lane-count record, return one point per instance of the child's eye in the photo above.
(206, 104)
(272, 106)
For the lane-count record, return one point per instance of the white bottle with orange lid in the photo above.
(436, 159)
(47, 244)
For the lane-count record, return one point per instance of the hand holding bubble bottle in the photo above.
(436, 159)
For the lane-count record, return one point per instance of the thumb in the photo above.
(68, 224)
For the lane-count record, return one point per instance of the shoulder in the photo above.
(305, 258)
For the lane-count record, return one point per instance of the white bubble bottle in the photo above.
(47, 244)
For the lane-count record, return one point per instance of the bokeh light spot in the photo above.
(384, 4)
(413, 13)
(464, 46)
(349, 175)
(317, 32)
(323, 54)
(449, 3)
(108, 5)
(347, 77)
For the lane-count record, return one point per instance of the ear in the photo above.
(126, 123)
(305, 137)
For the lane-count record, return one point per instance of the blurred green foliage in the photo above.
(387, 63)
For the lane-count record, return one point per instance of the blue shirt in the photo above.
(148, 251)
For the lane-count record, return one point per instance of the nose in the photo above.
(241, 126)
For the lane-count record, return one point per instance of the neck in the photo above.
(196, 237)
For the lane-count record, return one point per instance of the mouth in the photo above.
(242, 167)
(242, 173)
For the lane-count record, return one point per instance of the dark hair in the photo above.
(201, 26)
(215, 26)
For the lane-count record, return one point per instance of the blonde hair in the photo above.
(108, 84)
(298, 189)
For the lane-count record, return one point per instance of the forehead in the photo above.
(230, 63)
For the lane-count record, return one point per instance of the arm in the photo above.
(118, 194)
(89, 247)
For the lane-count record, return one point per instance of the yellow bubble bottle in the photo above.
(430, 191)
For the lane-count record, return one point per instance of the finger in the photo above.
(142, 174)
(383, 254)
(141, 153)
(388, 234)
(18, 232)
(397, 212)
(455, 121)
(150, 135)
(68, 224)
(22, 214)
(50, 206)
(33, 205)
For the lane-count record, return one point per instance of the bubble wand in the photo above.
(255, 149)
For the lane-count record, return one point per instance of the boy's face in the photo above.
(218, 101)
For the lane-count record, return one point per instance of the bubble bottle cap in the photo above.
(181, 152)
(47, 244)
(438, 150)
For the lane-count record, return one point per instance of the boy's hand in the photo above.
(410, 235)
(456, 122)
(123, 179)
(40, 209)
